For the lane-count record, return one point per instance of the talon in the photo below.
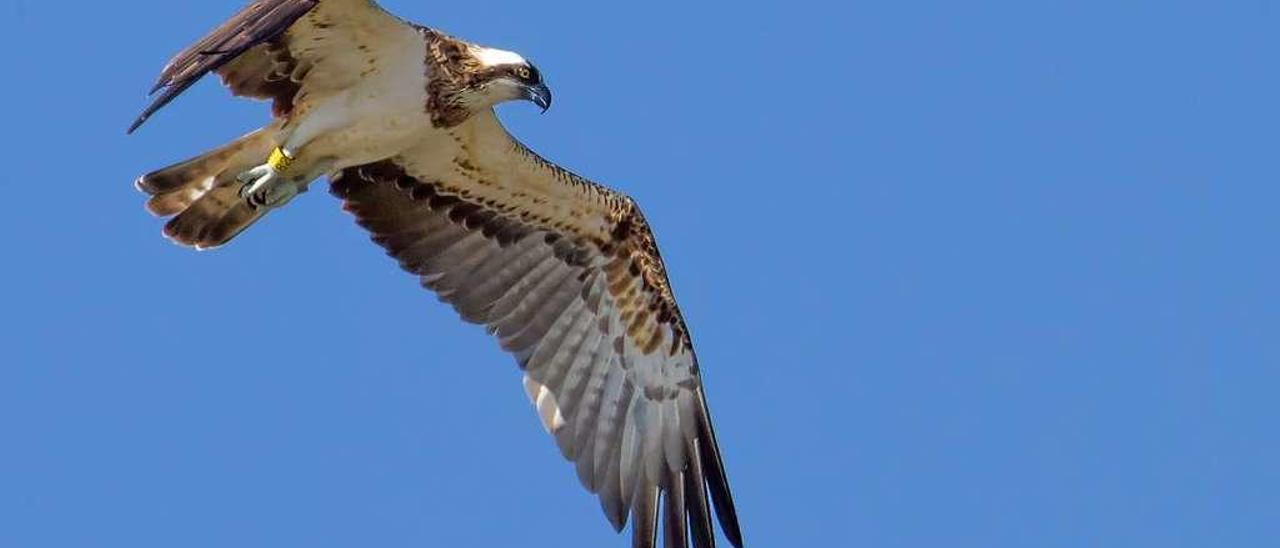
(248, 177)
(266, 185)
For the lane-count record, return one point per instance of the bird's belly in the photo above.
(365, 124)
(375, 137)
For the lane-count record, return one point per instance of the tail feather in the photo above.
(202, 193)
(214, 219)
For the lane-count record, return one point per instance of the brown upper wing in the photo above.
(257, 23)
(285, 49)
(566, 275)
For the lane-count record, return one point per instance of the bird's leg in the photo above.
(274, 183)
(293, 164)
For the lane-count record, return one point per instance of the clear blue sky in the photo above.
(964, 274)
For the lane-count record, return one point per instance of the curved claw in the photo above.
(255, 176)
(257, 184)
(277, 195)
(268, 185)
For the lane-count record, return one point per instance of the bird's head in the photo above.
(505, 76)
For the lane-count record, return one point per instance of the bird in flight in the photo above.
(565, 273)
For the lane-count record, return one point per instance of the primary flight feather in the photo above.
(564, 272)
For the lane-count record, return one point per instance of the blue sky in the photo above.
(963, 274)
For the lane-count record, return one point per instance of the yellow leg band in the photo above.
(279, 161)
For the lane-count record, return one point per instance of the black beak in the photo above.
(539, 94)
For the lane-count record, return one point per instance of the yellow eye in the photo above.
(523, 73)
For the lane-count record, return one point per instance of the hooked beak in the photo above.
(540, 95)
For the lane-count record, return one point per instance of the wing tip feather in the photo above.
(644, 516)
(717, 480)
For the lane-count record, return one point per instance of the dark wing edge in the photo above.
(502, 271)
(259, 22)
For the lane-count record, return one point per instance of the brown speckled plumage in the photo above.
(564, 272)
(628, 254)
(452, 68)
(452, 224)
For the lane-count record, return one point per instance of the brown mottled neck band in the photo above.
(451, 68)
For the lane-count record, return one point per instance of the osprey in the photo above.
(563, 271)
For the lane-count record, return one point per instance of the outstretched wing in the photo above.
(567, 275)
(269, 50)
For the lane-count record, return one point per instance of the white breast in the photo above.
(381, 114)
